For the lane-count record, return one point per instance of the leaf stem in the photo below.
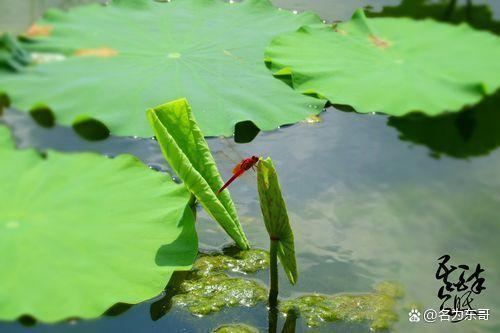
(192, 204)
(273, 272)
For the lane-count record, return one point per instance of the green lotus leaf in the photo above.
(123, 58)
(81, 232)
(187, 152)
(390, 65)
(276, 216)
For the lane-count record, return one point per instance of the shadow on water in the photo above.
(473, 132)
(478, 16)
(29, 133)
(163, 305)
(27, 321)
(118, 309)
(290, 322)
(114, 311)
(363, 187)
(245, 131)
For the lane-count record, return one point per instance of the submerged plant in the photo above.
(278, 227)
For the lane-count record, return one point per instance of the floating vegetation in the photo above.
(426, 66)
(204, 294)
(235, 328)
(376, 307)
(80, 232)
(220, 71)
(207, 289)
(248, 261)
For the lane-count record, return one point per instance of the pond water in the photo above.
(370, 198)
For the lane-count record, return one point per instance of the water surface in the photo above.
(366, 206)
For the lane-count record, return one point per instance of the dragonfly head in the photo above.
(255, 159)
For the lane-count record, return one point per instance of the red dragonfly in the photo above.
(240, 169)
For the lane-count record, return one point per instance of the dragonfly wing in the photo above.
(232, 179)
(237, 168)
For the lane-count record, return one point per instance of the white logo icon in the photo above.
(414, 316)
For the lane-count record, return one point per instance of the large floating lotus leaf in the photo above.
(390, 65)
(275, 216)
(187, 152)
(130, 55)
(81, 232)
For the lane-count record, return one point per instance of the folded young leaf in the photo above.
(275, 216)
(13, 57)
(187, 152)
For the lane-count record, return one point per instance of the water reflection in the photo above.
(163, 304)
(333, 10)
(474, 131)
(478, 15)
(290, 322)
(365, 206)
(30, 134)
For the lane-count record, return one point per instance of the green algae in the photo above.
(236, 328)
(208, 293)
(392, 289)
(376, 307)
(208, 289)
(248, 261)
